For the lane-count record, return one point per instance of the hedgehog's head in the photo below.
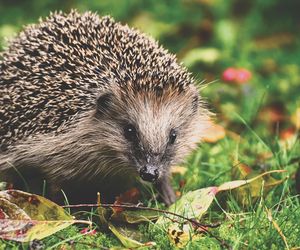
(151, 130)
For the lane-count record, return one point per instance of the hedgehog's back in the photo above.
(46, 77)
(54, 70)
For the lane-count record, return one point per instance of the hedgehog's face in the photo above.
(151, 132)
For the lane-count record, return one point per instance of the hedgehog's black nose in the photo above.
(149, 173)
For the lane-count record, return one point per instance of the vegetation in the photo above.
(248, 52)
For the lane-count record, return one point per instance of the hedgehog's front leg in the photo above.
(165, 190)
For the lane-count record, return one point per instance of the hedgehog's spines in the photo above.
(54, 70)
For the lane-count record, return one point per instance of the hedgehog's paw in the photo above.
(166, 191)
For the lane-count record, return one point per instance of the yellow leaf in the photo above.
(179, 237)
(192, 204)
(235, 184)
(28, 230)
(296, 118)
(127, 241)
(28, 216)
(37, 207)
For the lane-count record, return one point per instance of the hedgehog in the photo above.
(88, 104)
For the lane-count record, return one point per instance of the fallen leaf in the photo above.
(134, 217)
(240, 171)
(9, 210)
(118, 214)
(253, 191)
(129, 237)
(26, 216)
(213, 133)
(130, 196)
(235, 184)
(288, 133)
(180, 236)
(37, 207)
(195, 203)
(28, 230)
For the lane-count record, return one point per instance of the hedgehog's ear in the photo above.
(104, 102)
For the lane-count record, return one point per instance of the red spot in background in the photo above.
(229, 74)
(243, 76)
(236, 76)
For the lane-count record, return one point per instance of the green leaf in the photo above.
(192, 204)
(129, 237)
(195, 203)
(37, 207)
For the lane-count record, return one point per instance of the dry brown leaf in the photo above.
(130, 196)
(288, 133)
(214, 133)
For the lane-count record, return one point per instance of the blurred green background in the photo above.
(209, 36)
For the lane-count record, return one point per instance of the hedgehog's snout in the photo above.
(149, 173)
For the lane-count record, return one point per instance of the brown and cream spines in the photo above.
(86, 101)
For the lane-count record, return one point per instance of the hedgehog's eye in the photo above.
(172, 136)
(130, 132)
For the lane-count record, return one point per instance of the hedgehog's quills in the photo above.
(88, 104)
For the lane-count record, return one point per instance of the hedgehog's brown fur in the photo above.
(53, 73)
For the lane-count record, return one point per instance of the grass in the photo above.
(248, 112)
(242, 227)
